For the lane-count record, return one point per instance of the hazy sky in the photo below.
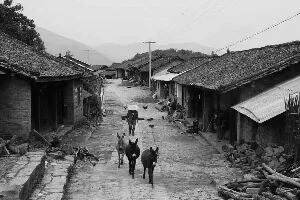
(213, 23)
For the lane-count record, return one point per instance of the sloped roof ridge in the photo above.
(40, 53)
(295, 42)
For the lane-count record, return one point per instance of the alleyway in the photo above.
(188, 168)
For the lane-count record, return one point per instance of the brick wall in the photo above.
(15, 107)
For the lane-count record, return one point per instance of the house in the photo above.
(91, 80)
(179, 91)
(222, 84)
(165, 87)
(120, 71)
(98, 69)
(157, 65)
(37, 91)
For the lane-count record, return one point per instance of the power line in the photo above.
(88, 54)
(173, 30)
(258, 33)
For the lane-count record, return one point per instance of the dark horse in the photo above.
(132, 152)
(149, 160)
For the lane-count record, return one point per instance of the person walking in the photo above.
(132, 119)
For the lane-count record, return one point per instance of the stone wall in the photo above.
(15, 107)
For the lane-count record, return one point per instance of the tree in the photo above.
(17, 25)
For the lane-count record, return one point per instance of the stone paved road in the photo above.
(188, 168)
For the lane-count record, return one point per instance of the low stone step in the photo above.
(20, 180)
(55, 177)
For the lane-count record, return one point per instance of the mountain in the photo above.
(56, 44)
(119, 53)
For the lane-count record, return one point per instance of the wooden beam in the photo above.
(55, 109)
(39, 110)
(204, 111)
(238, 128)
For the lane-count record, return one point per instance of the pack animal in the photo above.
(120, 149)
(132, 152)
(149, 160)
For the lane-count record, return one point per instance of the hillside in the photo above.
(56, 44)
(119, 53)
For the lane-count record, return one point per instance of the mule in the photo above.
(149, 160)
(120, 149)
(132, 152)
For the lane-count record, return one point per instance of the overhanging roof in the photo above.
(270, 103)
(164, 75)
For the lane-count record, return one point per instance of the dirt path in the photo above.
(187, 168)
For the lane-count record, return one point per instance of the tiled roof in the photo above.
(140, 63)
(159, 63)
(237, 68)
(21, 58)
(189, 64)
(86, 72)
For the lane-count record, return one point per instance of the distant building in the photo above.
(120, 72)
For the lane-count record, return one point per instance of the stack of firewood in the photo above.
(272, 185)
(249, 157)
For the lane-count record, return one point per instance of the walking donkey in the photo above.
(120, 149)
(132, 152)
(149, 160)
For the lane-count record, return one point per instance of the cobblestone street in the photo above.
(188, 168)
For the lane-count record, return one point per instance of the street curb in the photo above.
(34, 179)
(71, 169)
(23, 178)
(70, 172)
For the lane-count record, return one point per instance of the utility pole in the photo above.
(88, 55)
(150, 57)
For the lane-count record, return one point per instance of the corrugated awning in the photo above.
(269, 103)
(164, 75)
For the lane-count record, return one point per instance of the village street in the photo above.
(187, 168)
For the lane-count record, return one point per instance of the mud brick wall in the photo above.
(15, 107)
